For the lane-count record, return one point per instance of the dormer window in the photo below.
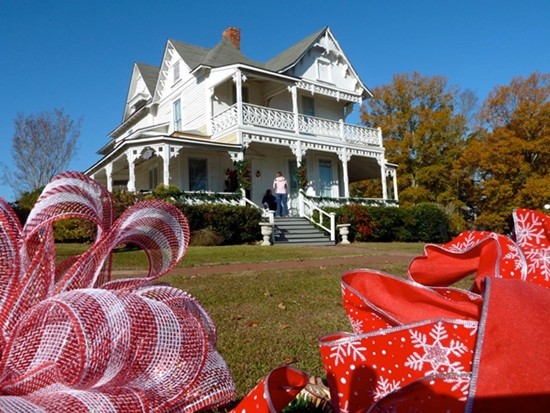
(324, 70)
(176, 71)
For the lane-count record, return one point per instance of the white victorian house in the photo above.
(188, 120)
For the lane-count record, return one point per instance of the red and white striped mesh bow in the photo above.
(73, 340)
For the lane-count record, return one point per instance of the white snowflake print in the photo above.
(538, 262)
(529, 230)
(341, 351)
(384, 387)
(436, 354)
(462, 382)
(356, 325)
(472, 326)
(345, 408)
(513, 255)
(469, 241)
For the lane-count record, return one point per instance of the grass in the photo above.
(272, 317)
(131, 258)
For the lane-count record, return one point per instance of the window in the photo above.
(153, 178)
(198, 176)
(244, 93)
(324, 71)
(325, 177)
(176, 71)
(177, 115)
(308, 106)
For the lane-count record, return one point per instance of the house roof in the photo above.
(149, 74)
(223, 54)
(291, 55)
(191, 54)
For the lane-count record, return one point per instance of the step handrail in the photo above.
(306, 203)
(265, 212)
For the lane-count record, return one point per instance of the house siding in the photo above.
(193, 104)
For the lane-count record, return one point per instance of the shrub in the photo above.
(206, 238)
(422, 223)
(78, 230)
(235, 224)
(431, 223)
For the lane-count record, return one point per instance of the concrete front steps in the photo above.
(298, 231)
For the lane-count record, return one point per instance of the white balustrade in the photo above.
(362, 135)
(254, 115)
(318, 126)
(224, 120)
(269, 118)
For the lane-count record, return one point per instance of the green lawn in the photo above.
(272, 317)
(127, 259)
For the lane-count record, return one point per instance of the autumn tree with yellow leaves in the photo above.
(506, 164)
(425, 125)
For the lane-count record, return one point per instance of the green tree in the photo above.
(43, 144)
(424, 124)
(507, 164)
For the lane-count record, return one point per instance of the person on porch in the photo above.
(280, 185)
(269, 201)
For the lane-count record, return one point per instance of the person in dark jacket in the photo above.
(269, 201)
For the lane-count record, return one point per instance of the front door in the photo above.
(325, 178)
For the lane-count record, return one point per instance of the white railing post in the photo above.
(342, 136)
(332, 226)
(301, 206)
(294, 93)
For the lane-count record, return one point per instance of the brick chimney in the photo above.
(234, 35)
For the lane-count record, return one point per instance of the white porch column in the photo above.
(209, 111)
(299, 152)
(345, 157)
(109, 173)
(165, 154)
(299, 155)
(131, 185)
(239, 78)
(382, 164)
(395, 193)
(239, 156)
(294, 93)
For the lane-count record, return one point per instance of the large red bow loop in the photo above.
(421, 345)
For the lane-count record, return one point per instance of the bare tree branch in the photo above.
(43, 144)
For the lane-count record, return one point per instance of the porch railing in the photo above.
(307, 210)
(260, 116)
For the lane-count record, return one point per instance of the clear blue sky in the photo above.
(78, 54)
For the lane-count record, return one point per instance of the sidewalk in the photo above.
(360, 261)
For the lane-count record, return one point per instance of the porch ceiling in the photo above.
(362, 169)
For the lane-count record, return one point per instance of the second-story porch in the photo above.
(280, 121)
